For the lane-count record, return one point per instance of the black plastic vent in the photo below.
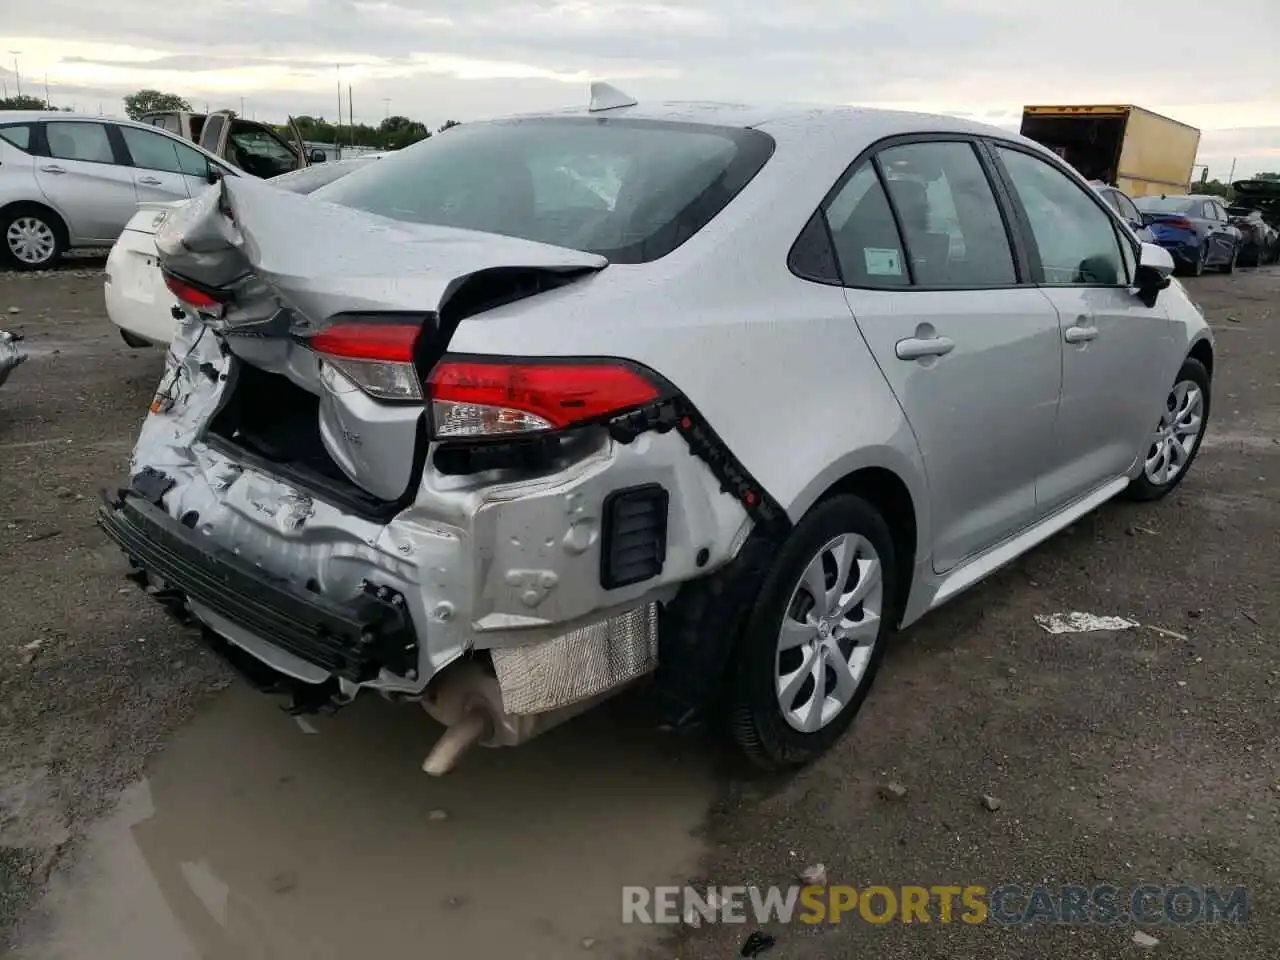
(634, 538)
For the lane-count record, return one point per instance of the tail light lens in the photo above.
(481, 398)
(375, 354)
(1180, 223)
(190, 295)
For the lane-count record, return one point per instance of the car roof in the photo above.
(36, 116)
(789, 120)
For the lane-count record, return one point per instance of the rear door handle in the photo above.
(1080, 334)
(52, 169)
(149, 181)
(914, 348)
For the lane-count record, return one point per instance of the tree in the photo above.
(396, 132)
(447, 125)
(22, 103)
(1209, 188)
(1267, 176)
(147, 101)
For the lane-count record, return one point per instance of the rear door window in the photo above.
(19, 135)
(954, 233)
(258, 151)
(1126, 208)
(74, 140)
(868, 246)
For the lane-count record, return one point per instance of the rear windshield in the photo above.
(1166, 204)
(630, 190)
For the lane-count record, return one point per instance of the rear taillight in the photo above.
(190, 295)
(376, 355)
(483, 398)
(1181, 223)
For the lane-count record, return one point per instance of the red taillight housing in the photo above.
(377, 355)
(1181, 223)
(190, 295)
(493, 398)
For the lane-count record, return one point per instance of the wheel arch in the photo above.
(1202, 350)
(890, 495)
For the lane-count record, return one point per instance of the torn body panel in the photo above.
(11, 355)
(500, 560)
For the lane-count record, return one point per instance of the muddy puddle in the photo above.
(253, 838)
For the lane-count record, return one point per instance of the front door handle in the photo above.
(149, 181)
(915, 348)
(1080, 334)
(51, 168)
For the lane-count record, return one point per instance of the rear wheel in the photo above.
(1176, 439)
(33, 238)
(813, 641)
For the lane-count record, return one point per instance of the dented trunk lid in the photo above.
(288, 263)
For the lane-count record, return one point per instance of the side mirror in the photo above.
(317, 156)
(1155, 267)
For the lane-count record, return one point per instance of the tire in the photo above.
(1151, 484)
(32, 222)
(1197, 268)
(756, 717)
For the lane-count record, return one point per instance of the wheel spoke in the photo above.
(813, 713)
(789, 684)
(846, 682)
(795, 634)
(864, 632)
(815, 581)
(868, 580)
(844, 552)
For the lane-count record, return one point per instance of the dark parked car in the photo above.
(1255, 211)
(1195, 229)
(1119, 201)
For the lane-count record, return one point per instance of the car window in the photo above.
(18, 134)
(259, 152)
(1110, 197)
(210, 132)
(156, 152)
(1167, 205)
(71, 140)
(1219, 210)
(952, 225)
(631, 190)
(864, 233)
(1076, 240)
(1126, 208)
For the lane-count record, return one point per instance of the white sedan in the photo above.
(137, 300)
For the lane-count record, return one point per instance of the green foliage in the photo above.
(23, 103)
(391, 134)
(148, 101)
(1267, 176)
(1211, 188)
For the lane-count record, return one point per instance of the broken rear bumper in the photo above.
(354, 640)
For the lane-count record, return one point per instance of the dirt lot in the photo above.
(151, 808)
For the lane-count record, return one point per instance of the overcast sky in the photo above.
(437, 60)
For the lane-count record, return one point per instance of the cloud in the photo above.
(468, 58)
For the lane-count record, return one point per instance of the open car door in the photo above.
(303, 159)
(216, 130)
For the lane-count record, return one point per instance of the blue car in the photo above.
(1195, 229)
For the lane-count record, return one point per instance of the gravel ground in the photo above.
(1148, 755)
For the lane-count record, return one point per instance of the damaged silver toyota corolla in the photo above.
(533, 409)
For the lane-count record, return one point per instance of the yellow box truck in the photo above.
(1134, 149)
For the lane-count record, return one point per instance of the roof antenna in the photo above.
(605, 96)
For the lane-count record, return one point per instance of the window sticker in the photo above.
(882, 262)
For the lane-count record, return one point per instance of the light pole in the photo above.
(337, 131)
(17, 76)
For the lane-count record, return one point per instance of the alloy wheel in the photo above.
(1177, 434)
(31, 240)
(828, 632)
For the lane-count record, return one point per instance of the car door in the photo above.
(86, 179)
(1115, 350)
(1230, 232)
(157, 170)
(970, 352)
